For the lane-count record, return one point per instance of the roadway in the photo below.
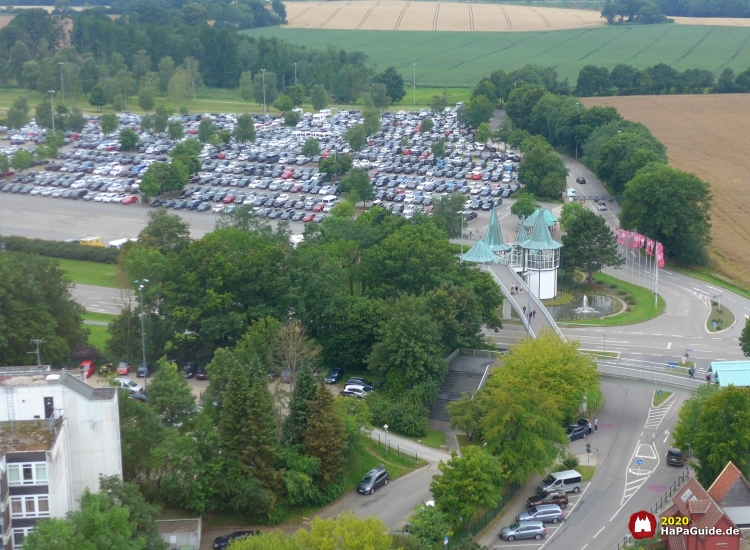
(629, 428)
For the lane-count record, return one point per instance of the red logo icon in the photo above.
(642, 525)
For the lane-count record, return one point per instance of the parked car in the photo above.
(373, 480)
(123, 368)
(334, 375)
(350, 393)
(190, 370)
(144, 371)
(674, 457)
(88, 368)
(106, 368)
(524, 530)
(576, 432)
(220, 543)
(127, 384)
(356, 381)
(554, 497)
(547, 513)
(201, 374)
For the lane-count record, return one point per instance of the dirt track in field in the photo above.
(706, 135)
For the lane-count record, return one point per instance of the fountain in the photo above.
(585, 307)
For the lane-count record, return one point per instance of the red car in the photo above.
(132, 199)
(476, 176)
(296, 188)
(123, 368)
(319, 207)
(308, 218)
(325, 153)
(229, 199)
(406, 151)
(222, 155)
(88, 368)
(287, 174)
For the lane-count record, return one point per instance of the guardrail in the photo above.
(649, 376)
(478, 352)
(540, 306)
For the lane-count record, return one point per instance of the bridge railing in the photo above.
(514, 304)
(649, 376)
(540, 306)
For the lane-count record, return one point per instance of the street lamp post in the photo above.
(52, 108)
(62, 83)
(264, 92)
(578, 109)
(141, 284)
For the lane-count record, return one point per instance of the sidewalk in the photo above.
(489, 535)
(411, 447)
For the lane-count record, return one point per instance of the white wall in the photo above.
(542, 283)
(28, 401)
(58, 473)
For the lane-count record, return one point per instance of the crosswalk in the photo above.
(657, 414)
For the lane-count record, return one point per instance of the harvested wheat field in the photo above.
(5, 19)
(390, 15)
(706, 135)
(721, 21)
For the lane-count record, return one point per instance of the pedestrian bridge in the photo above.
(653, 373)
(507, 278)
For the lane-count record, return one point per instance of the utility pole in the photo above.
(37, 341)
(62, 83)
(52, 108)
(140, 284)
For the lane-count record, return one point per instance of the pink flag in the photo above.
(648, 246)
(622, 236)
(631, 236)
(643, 241)
(659, 255)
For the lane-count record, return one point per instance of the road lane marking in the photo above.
(584, 547)
(599, 531)
(666, 436)
(669, 345)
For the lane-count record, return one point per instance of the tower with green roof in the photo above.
(494, 238)
(541, 257)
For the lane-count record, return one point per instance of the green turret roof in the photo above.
(480, 253)
(540, 238)
(549, 218)
(494, 237)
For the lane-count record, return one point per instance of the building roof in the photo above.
(170, 526)
(480, 253)
(494, 237)
(731, 373)
(22, 436)
(540, 238)
(548, 216)
(732, 492)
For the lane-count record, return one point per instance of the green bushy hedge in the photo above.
(60, 249)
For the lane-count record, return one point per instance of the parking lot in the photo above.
(273, 175)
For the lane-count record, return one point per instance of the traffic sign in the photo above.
(672, 364)
(658, 392)
(639, 461)
(445, 541)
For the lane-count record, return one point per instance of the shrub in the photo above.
(621, 293)
(61, 249)
(571, 462)
(401, 416)
(612, 286)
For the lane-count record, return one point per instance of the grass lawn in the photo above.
(434, 438)
(594, 398)
(642, 311)
(101, 317)
(660, 398)
(587, 472)
(98, 336)
(463, 441)
(724, 318)
(91, 273)
(594, 353)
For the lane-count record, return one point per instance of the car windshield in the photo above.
(532, 510)
(674, 452)
(367, 479)
(549, 480)
(514, 527)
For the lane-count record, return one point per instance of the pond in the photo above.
(586, 307)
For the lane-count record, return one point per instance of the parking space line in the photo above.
(599, 531)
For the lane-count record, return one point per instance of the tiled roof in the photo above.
(728, 478)
(698, 506)
(676, 542)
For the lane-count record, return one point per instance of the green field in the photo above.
(460, 59)
(90, 273)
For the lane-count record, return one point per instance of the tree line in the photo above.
(668, 205)
(633, 11)
(146, 53)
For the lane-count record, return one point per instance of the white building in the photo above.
(57, 436)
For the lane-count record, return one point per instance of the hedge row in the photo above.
(60, 249)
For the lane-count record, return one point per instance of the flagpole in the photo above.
(656, 284)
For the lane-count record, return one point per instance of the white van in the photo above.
(567, 481)
(571, 193)
(329, 199)
(119, 243)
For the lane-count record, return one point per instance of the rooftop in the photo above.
(731, 373)
(27, 435)
(42, 376)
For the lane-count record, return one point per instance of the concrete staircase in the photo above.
(459, 380)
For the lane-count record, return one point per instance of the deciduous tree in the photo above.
(311, 148)
(109, 123)
(319, 97)
(355, 137)
(524, 206)
(543, 173)
(169, 394)
(128, 139)
(589, 244)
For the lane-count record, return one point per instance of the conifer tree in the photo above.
(324, 437)
(304, 391)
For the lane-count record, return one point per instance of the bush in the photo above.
(571, 462)
(612, 286)
(60, 249)
(402, 417)
(621, 293)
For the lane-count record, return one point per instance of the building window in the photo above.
(29, 506)
(27, 474)
(19, 534)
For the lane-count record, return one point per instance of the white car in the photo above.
(127, 384)
(217, 209)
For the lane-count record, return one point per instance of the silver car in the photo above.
(543, 512)
(524, 530)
